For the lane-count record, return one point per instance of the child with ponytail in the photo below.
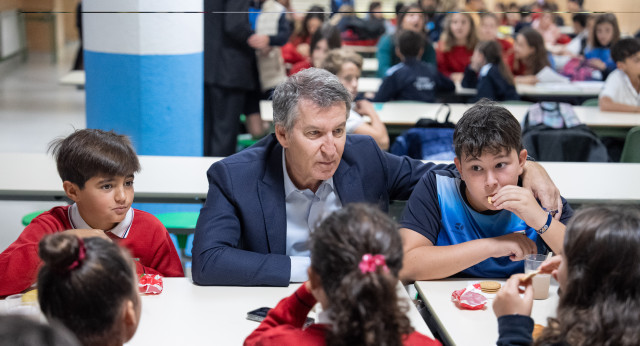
(356, 255)
(89, 285)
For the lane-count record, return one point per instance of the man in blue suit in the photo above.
(263, 202)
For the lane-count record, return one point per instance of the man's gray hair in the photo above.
(313, 84)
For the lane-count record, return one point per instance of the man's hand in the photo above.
(258, 42)
(88, 233)
(537, 180)
(514, 245)
(521, 202)
(508, 301)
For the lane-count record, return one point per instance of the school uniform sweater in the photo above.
(284, 325)
(490, 83)
(455, 60)
(146, 239)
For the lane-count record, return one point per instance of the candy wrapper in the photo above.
(469, 298)
(150, 284)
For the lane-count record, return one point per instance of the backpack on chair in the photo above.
(430, 139)
(552, 132)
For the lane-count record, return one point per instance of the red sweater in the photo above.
(455, 60)
(147, 241)
(283, 325)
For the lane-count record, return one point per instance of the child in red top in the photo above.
(356, 254)
(90, 287)
(97, 170)
(456, 45)
(297, 49)
(488, 31)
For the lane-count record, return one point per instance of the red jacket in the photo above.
(283, 325)
(147, 241)
(455, 60)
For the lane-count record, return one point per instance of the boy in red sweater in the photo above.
(97, 169)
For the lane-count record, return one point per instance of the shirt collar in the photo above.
(290, 187)
(121, 230)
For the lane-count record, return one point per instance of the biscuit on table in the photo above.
(490, 286)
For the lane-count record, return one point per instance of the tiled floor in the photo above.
(34, 109)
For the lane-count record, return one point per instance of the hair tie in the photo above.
(370, 263)
(81, 255)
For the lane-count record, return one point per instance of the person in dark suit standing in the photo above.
(264, 201)
(230, 72)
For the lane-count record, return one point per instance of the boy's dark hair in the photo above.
(373, 5)
(89, 153)
(410, 43)
(18, 330)
(486, 127)
(83, 285)
(365, 308)
(625, 48)
(580, 18)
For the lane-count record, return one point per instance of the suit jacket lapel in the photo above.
(348, 184)
(271, 194)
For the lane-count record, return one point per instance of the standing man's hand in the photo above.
(258, 41)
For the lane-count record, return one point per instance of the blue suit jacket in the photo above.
(240, 237)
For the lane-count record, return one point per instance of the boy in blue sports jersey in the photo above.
(479, 222)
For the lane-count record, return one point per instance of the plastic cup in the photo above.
(15, 304)
(540, 282)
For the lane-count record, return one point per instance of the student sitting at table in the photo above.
(489, 74)
(456, 45)
(480, 222)
(410, 17)
(347, 66)
(90, 286)
(97, 170)
(532, 63)
(412, 79)
(323, 40)
(621, 91)
(356, 254)
(604, 34)
(488, 31)
(24, 330)
(598, 274)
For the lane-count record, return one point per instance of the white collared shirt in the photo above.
(121, 230)
(304, 209)
(618, 87)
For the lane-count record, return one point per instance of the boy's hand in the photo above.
(365, 107)
(514, 245)
(537, 180)
(521, 202)
(258, 41)
(88, 233)
(550, 265)
(508, 301)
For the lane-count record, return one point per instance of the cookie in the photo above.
(489, 199)
(537, 330)
(490, 286)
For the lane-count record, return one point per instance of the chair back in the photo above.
(631, 149)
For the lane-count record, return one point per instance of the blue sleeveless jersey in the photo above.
(460, 223)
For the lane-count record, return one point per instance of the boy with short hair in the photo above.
(621, 91)
(97, 169)
(479, 222)
(412, 79)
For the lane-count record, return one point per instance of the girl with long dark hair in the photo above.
(356, 254)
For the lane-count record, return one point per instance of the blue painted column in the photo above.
(144, 72)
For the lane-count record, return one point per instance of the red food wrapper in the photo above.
(150, 284)
(470, 298)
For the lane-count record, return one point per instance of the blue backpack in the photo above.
(428, 140)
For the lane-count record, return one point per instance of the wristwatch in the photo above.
(546, 225)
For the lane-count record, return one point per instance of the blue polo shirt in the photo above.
(438, 210)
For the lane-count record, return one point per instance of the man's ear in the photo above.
(282, 136)
(314, 279)
(400, 56)
(71, 189)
